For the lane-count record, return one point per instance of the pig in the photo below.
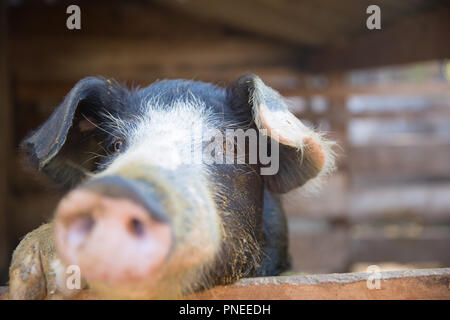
(137, 219)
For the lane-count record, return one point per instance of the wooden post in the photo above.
(4, 140)
(339, 115)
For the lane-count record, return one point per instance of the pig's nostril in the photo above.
(84, 223)
(137, 227)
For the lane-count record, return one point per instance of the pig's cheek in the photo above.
(200, 246)
(55, 272)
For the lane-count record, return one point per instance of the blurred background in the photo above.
(384, 95)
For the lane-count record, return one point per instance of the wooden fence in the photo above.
(387, 285)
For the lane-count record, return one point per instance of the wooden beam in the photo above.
(343, 89)
(417, 38)
(301, 23)
(145, 42)
(409, 284)
(64, 59)
(281, 78)
(262, 17)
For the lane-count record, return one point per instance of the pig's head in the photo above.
(145, 215)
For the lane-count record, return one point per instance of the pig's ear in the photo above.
(62, 143)
(304, 155)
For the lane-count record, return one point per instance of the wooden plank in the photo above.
(372, 200)
(141, 20)
(417, 38)
(342, 89)
(427, 202)
(318, 245)
(407, 157)
(331, 201)
(145, 42)
(400, 243)
(288, 80)
(65, 59)
(410, 284)
(281, 77)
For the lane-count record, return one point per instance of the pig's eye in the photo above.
(117, 145)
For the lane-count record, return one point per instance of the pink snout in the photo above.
(112, 239)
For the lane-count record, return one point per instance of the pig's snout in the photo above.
(113, 230)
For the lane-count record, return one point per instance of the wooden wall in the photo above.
(5, 136)
(359, 216)
(389, 200)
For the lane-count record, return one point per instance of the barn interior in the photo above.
(382, 94)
